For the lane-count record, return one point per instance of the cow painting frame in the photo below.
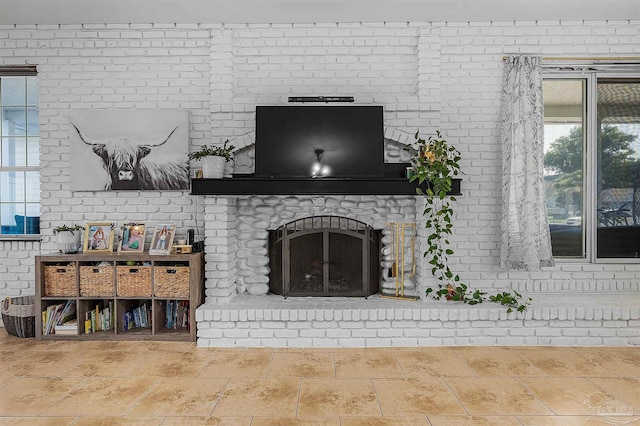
(98, 237)
(119, 150)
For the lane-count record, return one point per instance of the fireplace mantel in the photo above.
(309, 186)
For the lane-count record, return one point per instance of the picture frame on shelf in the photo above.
(131, 239)
(98, 237)
(162, 240)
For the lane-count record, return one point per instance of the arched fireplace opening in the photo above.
(324, 256)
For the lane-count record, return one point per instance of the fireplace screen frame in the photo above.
(280, 255)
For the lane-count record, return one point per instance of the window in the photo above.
(19, 153)
(592, 163)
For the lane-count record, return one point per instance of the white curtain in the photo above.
(525, 243)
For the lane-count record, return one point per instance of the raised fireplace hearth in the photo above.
(324, 256)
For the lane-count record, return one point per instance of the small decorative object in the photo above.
(437, 163)
(98, 237)
(69, 237)
(213, 159)
(162, 238)
(132, 237)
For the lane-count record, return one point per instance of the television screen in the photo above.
(319, 141)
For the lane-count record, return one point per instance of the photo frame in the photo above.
(162, 240)
(98, 237)
(132, 237)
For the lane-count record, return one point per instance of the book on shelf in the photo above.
(57, 314)
(177, 314)
(67, 328)
(99, 318)
(139, 317)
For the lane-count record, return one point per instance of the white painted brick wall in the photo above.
(428, 75)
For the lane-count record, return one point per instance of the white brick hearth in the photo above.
(552, 319)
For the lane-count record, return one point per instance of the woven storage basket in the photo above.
(96, 280)
(171, 281)
(19, 316)
(60, 280)
(134, 281)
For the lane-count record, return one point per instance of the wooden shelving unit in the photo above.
(125, 281)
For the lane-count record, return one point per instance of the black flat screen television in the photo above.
(348, 141)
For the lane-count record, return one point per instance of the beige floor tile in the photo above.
(170, 364)
(302, 364)
(44, 364)
(433, 362)
(179, 397)
(266, 397)
(561, 361)
(206, 421)
(564, 421)
(496, 396)
(296, 421)
(118, 421)
(496, 362)
(102, 397)
(36, 421)
(106, 363)
(474, 421)
(385, 421)
(366, 365)
(625, 390)
(31, 396)
(340, 397)
(564, 395)
(623, 362)
(6, 380)
(248, 364)
(414, 397)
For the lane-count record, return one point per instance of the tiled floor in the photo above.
(162, 383)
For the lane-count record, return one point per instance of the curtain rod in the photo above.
(594, 58)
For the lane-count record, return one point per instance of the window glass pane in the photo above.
(618, 168)
(32, 91)
(14, 121)
(13, 91)
(12, 185)
(564, 111)
(33, 125)
(32, 181)
(8, 214)
(19, 151)
(14, 151)
(33, 151)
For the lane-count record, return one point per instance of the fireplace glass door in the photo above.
(324, 256)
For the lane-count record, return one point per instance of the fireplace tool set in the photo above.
(399, 262)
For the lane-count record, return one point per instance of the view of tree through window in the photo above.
(593, 186)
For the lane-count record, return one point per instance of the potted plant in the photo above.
(69, 237)
(213, 159)
(437, 163)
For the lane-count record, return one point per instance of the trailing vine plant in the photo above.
(437, 163)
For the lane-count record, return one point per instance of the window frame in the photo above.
(22, 71)
(590, 75)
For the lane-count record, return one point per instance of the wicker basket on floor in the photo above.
(96, 280)
(171, 281)
(19, 316)
(60, 280)
(134, 281)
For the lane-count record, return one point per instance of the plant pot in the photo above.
(213, 167)
(69, 242)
